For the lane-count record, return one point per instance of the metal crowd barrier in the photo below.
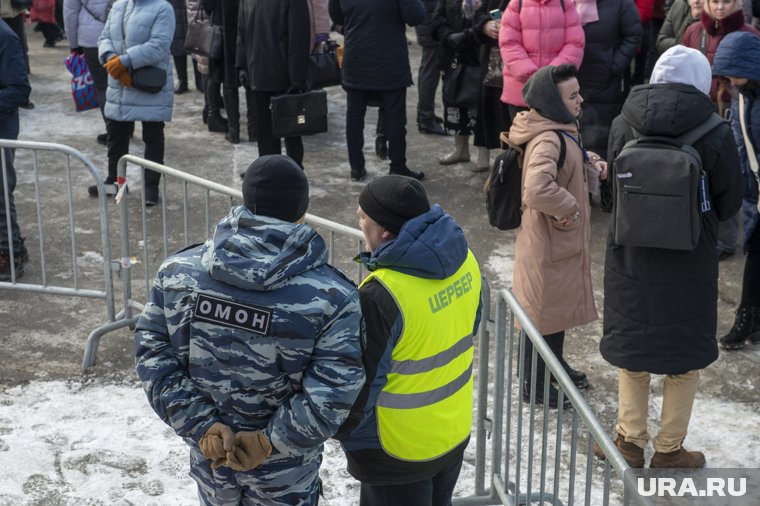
(55, 233)
(527, 452)
(189, 208)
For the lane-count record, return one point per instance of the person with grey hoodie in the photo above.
(84, 21)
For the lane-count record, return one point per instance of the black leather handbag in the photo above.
(203, 38)
(461, 85)
(149, 79)
(294, 115)
(324, 70)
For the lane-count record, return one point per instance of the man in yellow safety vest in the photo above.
(409, 427)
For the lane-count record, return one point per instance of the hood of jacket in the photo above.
(258, 252)
(724, 26)
(528, 124)
(430, 246)
(667, 109)
(681, 64)
(738, 55)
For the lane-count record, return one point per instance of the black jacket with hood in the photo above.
(660, 306)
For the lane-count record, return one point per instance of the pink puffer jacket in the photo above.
(538, 35)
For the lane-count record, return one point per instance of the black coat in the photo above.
(375, 54)
(224, 13)
(180, 30)
(273, 43)
(424, 30)
(611, 43)
(448, 19)
(660, 306)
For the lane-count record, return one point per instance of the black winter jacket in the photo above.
(224, 13)
(375, 55)
(660, 306)
(448, 19)
(14, 82)
(611, 43)
(273, 43)
(180, 30)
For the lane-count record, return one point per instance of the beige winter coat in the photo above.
(552, 271)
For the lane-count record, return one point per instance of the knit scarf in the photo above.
(587, 11)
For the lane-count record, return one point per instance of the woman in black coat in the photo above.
(660, 305)
(611, 44)
(178, 44)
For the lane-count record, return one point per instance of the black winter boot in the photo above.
(232, 102)
(216, 123)
(746, 327)
(553, 400)
(557, 343)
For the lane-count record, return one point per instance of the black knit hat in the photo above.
(541, 93)
(393, 200)
(275, 186)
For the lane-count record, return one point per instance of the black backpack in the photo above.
(503, 188)
(660, 190)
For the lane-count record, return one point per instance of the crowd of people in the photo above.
(255, 371)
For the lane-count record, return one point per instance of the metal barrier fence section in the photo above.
(189, 207)
(69, 254)
(529, 452)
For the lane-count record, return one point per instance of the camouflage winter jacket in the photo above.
(252, 329)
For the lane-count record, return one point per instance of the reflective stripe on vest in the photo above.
(425, 408)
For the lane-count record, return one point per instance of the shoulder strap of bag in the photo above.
(693, 135)
(84, 6)
(562, 150)
(751, 155)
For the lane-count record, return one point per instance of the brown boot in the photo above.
(630, 452)
(679, 459)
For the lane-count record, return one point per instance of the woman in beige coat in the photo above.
(552, 272)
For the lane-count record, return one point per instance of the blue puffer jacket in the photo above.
(149, 31)
(84, 21)
(738, 55)
(253, 329)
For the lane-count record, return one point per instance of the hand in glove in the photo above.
(250, 449)
(216, 442)
(243, 78)
(118, 71)
(454, 40)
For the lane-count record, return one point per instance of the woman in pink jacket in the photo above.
(533, 34)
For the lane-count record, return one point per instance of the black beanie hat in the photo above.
(275, 186)
(541, 93)
(393, 200)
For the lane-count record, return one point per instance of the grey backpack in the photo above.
(661, 190)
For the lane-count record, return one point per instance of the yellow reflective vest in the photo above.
(425, 409)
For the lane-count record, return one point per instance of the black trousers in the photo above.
(435, 491)
(118, 146)
(751, 278)
(428, 77)
(99, 77)
(556, 343)
(394, 110)
(268, 143)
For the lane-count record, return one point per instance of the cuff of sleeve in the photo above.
(126, 61)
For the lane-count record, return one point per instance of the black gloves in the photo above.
(455, 40)
(243, 78)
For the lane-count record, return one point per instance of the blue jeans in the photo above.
(7, 157)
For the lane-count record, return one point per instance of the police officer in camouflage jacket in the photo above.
(249, 346)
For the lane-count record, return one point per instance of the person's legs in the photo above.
(445, 481)
(394, 103)
(13, 241)
(99, 78)
(356, 108)
(216, 123)
(232, 106)
(633, 404)
(280, 484)
(677, 401)
(180, 63)
(294, 149)
(428, 77)
(153, 137)
(419, 493)
(528, 385)
(250, 104)
(556, 342)
(268, 144)
(118, 145)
